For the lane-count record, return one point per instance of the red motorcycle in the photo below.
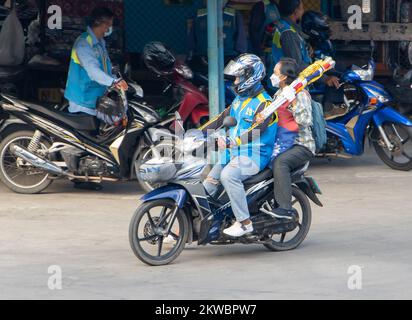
(189, 100)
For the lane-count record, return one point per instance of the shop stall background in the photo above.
(140, 21)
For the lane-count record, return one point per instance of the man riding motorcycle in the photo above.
(90, 67)
(249, 145)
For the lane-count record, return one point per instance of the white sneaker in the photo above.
(169, 240)
(238, 230)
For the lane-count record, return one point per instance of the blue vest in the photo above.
(277, 50)
(229, 30)
(260, 150)
(80, 89)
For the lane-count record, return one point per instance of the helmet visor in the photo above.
(234, 70)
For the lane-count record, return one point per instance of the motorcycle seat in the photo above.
(267, 174)
(80, 122)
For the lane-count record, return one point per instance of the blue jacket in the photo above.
(235, 40)
(254, 140)
(277, 49)
(89, 72)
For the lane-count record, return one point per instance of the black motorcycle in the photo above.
(40, 145)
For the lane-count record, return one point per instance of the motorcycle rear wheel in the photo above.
(148, 233)
(302, 205)
(401, 137)
(17, 175)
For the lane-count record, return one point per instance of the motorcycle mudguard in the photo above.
(388, 114)
(173, 192)
(199, 113)
(9, 123)
(310, 188)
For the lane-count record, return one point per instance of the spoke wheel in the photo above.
(150, 237)
(400, 157)
(17, 174)
(292, 240)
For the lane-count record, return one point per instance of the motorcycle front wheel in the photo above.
(400, 158)
(148, 236)
(18, 175)
(292, 240)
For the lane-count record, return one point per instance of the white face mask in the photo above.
(109, 32)
(275, 81)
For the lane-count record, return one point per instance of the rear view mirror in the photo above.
(138, 90)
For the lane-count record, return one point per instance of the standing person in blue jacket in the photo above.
(249, 147)
(288, 40)
(235, 39)
(90, 66)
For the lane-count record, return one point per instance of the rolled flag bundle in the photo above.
(308, 76)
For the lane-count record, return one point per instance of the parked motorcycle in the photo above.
(368, 113)
(41, 145)
(191, 102)
(182, 212)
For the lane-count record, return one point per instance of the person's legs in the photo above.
(283, 166)
(232, 177)
(212, 181)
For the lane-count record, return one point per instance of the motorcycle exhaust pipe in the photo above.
(51, 167)
(37, 161)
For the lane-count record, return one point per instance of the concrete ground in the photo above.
(365, 226)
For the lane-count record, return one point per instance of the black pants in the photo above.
(283, 166)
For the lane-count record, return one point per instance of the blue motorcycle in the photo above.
(182, 212)
(368, 114)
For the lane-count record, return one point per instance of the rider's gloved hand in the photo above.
(121, 85)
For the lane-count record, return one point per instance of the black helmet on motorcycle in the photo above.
(158, 58)
(110, 109)
(316, 25)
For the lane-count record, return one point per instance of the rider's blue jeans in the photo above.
(231, 177)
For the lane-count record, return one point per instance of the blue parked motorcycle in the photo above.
(181, 212)
(368, 114)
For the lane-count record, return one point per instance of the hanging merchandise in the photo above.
(405, 46)
(12, 41)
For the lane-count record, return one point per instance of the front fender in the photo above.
(388, 114)
(172, 191)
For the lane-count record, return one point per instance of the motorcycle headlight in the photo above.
(365, 75)
(148, 117)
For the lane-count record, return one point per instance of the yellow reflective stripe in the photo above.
(89, 40)
(275, 120)
(278, 35)
(276, 39)
(245, 103)
(238, 141)
(75, 57)
(262, 98)
(210, 122)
